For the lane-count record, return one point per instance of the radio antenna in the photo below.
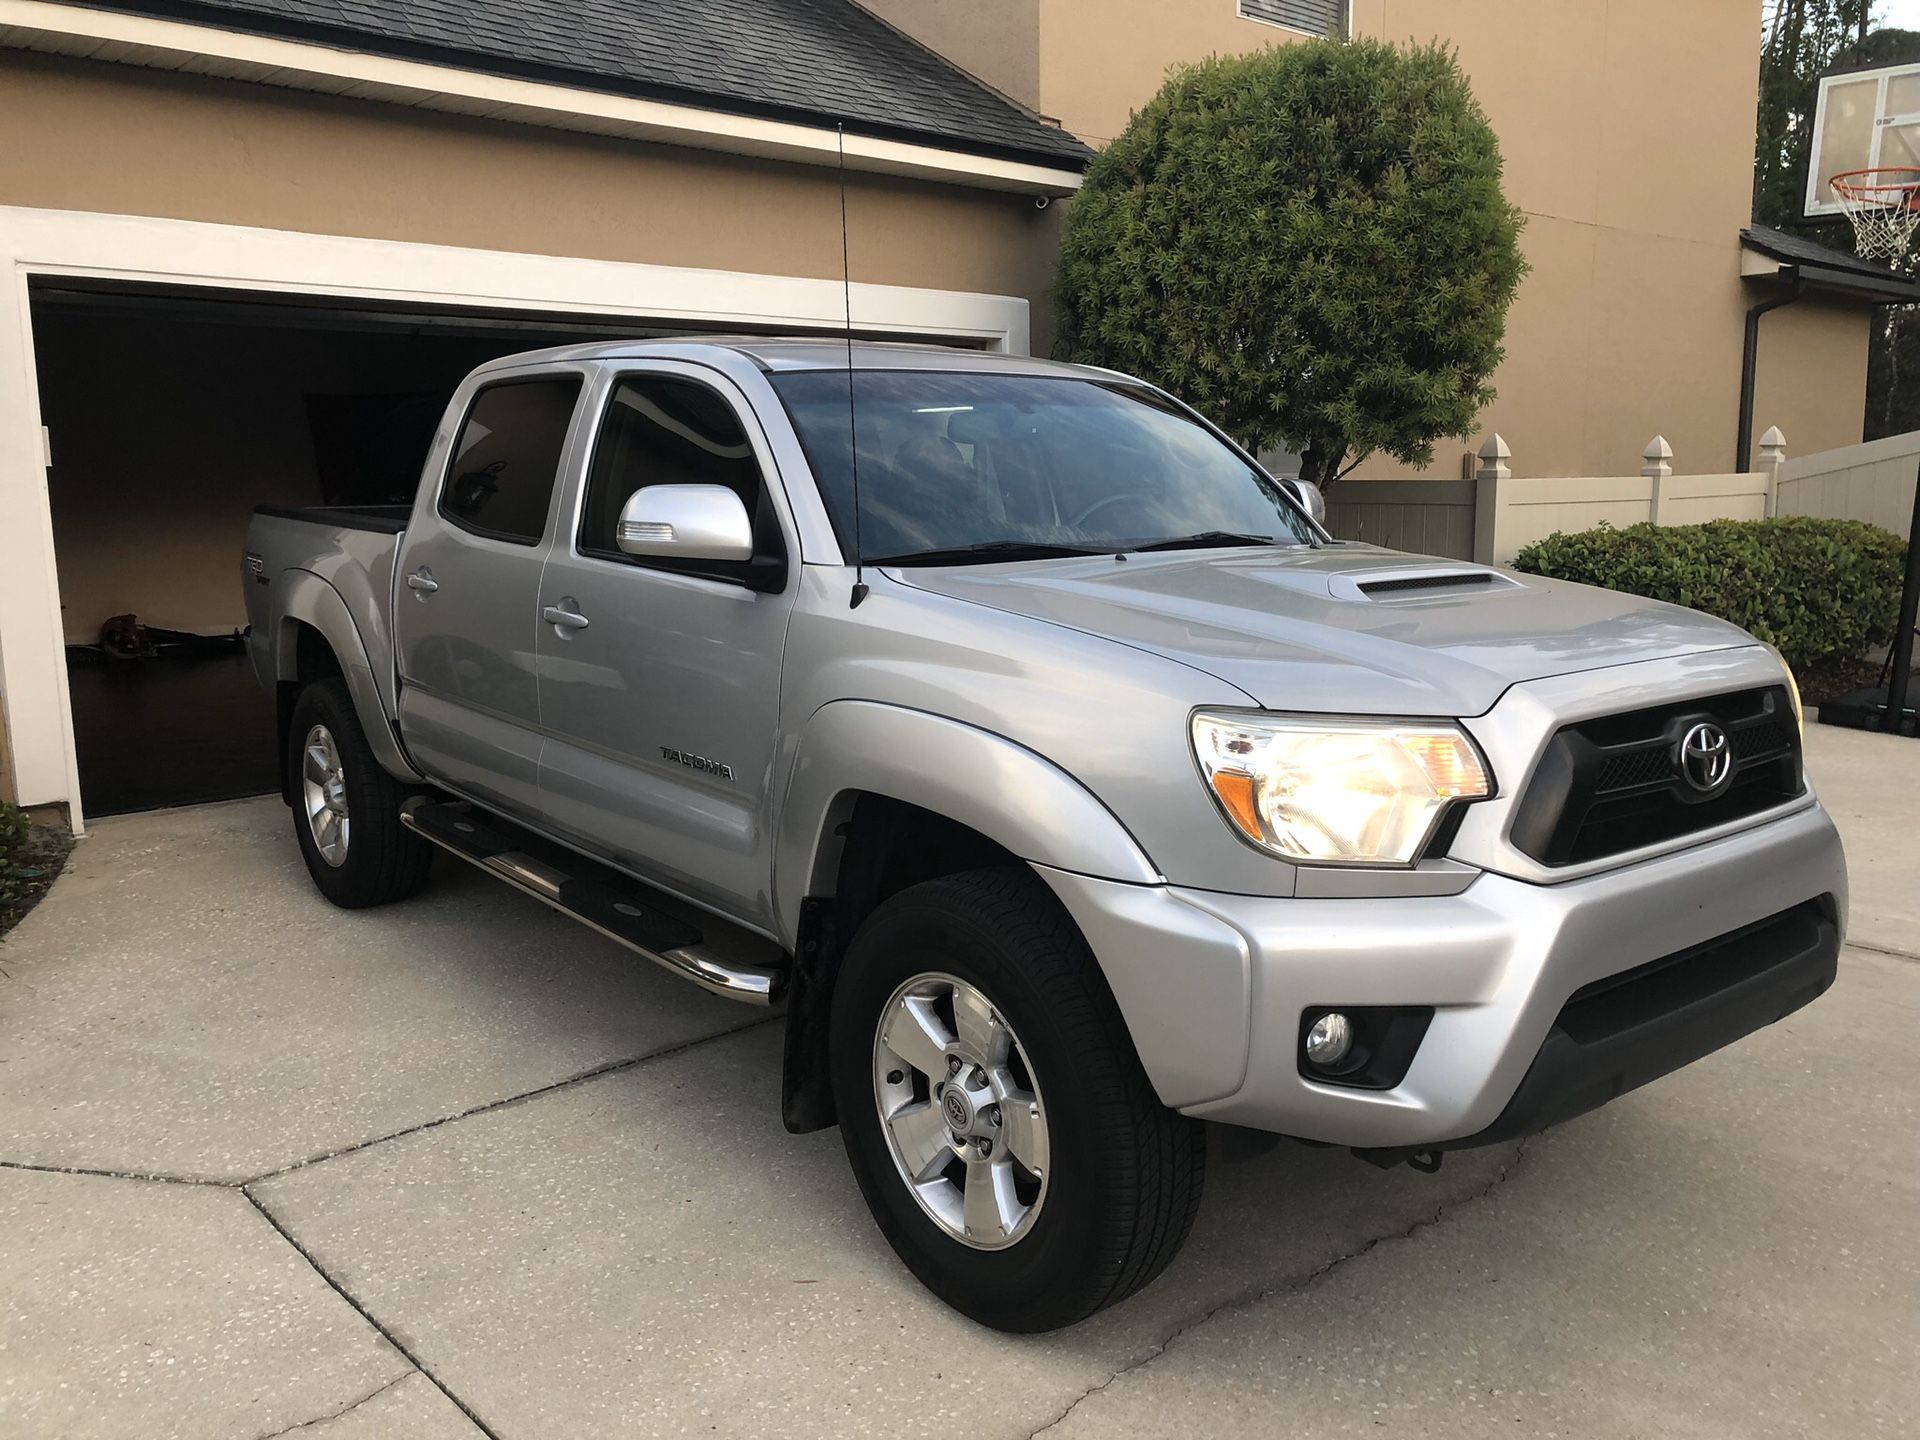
(853, 431)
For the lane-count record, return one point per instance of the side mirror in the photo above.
(688, 522)
(1311, 499)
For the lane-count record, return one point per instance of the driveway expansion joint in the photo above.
(1887, 950)
(1247, 1299)
(349, 1407)
(144, 1176)
(367, 1315)
(612, 1067)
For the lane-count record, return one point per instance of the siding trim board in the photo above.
(235, 55)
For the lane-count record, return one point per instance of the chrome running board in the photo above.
(716, 956)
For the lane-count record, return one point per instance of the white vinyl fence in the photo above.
(1493, 516)
(1873, 482)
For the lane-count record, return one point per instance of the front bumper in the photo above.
(1212, 986)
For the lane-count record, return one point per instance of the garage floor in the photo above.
(456, 1168)
(169, 731)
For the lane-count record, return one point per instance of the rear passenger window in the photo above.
(507, 456)
(662, 430)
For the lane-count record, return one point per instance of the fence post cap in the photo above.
(1773, 439)
(1494, 447)
(1658, 449)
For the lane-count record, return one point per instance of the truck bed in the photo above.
(352, 549)
(384, 519)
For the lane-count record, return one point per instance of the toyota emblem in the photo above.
(1706, 759)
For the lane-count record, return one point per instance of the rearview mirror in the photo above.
(688, 522)
(1310, 496)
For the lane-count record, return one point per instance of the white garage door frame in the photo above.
(78, 244)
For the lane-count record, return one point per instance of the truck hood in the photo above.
(1342, 629)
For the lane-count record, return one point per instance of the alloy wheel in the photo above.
(962, 1112)
(323, 793)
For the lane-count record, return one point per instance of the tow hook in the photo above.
(1427, 1162)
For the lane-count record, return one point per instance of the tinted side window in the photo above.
(662, 430)
(507, 456)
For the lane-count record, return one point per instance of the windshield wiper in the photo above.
(1206, 539)
(986, 551)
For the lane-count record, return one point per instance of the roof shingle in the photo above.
(816, 60)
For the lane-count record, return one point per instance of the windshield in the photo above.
(957, 467)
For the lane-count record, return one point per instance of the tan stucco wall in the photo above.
(997, 41)
(1101, 59)
(1813, 373)
(1627, 128)
(86, 136)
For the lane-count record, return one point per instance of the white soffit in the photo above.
(231, 55)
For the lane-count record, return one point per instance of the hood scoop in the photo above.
(1402, 584)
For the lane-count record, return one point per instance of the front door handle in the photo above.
(564, 615)
(423, 581)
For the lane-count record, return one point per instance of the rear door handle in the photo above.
(423, 581)
(565, 616)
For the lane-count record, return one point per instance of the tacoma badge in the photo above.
(696, 762)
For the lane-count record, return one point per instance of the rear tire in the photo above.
(346, 809)
(1122, 1173)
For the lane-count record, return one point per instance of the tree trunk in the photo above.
(1320, 461)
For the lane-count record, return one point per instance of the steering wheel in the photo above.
(1105, 502)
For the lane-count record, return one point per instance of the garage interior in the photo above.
(171, 413)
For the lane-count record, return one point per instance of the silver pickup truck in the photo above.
(1049, 762)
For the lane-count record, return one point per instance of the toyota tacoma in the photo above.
(1070, 787)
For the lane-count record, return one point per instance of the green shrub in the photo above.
(1309, 243)
(1816, 590)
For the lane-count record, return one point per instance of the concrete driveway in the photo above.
(458, 1168)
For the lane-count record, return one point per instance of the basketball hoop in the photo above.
(1884, 207)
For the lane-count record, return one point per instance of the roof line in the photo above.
(1826, 268)
(555, 99)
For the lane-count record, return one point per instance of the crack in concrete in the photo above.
(1247, 1299)
(147, 1177)
(1886, 950)
(612, 1067)
(348, 1408)
(367, 1315)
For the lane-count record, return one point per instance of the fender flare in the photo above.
(1015, 797)
(306, 599)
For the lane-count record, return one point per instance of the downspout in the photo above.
(1750, 361)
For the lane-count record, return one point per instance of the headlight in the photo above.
(1793, 691)
(1336, 792)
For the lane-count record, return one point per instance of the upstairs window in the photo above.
(1310, 17)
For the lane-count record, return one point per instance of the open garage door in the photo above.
(171, 414)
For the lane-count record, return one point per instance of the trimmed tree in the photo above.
(1309, 244)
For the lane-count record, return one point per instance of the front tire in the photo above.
(997, 1119)
(346, 809)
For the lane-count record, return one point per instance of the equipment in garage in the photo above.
(171, 412)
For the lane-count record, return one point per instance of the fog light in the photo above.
(1330, 1039)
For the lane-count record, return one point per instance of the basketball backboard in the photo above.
(1866, 119)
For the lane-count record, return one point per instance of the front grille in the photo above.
(1614, 784)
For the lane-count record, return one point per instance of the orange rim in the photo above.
(1893, 187)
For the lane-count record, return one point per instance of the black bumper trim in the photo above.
(1630, 1029)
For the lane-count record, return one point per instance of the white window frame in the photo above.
(89, 245)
